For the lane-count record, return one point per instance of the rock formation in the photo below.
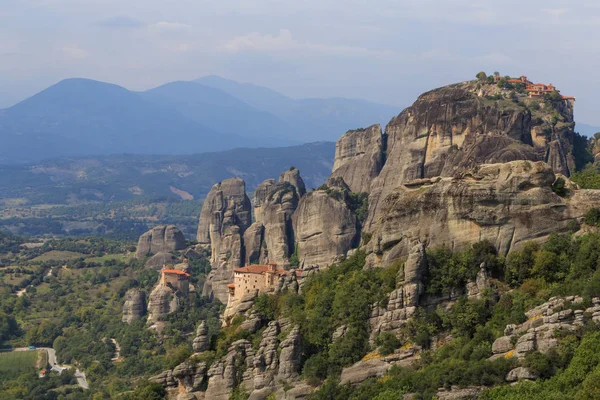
(162, 301)
(539, 332)
(134, 307)
(201, 341)
(254, 244)
(225, 216)
(325, 228)
(404, 300)
(161, 238)
(457, 127)
(159, 260)
(507, 204)
(276, 216)
(259, 371)
(359, 157)
(292, 176)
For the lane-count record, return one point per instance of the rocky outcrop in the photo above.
(539, 332)
(359, 157)
(163, 300)
(520, 373)
(403, 301)
(508, 204)
(258, 371)
(189, 375)
(225, 216)
(134, 307)
(159, 260)
(292, 176)
(455, 128)
(325, 228)
(161, 238)
(254, 244)
(201, 341)
(277, 211)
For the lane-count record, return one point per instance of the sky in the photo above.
(387, 51)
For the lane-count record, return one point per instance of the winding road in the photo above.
(79, 375)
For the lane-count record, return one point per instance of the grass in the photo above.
(118, 257)
(56, 255)
(16, 362)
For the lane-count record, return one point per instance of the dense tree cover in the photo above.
(564, 265)
(77, 310)
(28, 386)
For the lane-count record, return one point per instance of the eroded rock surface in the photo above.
(201, 341)
(325, 228)
(134, 307)
(359, 157)
(507, 204)
(161, 238)
(225, 216)
(292, 176)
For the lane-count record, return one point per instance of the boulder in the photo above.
(161, 238)
(520, 373)
(134, 307)
(363, 370)
(359, 157)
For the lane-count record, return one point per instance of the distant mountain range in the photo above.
(81, 117)
(74, 180)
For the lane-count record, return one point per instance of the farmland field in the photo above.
(16, 362)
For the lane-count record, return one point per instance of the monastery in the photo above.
(535, 89)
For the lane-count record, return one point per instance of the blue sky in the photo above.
(381, 50)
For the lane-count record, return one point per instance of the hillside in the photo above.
(78, 117)
(84, 117)
(316, 119)
(223, 112)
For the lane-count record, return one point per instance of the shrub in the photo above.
(592, 217)
(387, 342)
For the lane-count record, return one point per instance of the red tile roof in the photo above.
(175, 272)
(260, 269)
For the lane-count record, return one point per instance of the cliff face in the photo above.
(225, 216)
(160, 239)
(359, 157)
(325, 228)
(507, 204)
(134, 307)
(455, 128)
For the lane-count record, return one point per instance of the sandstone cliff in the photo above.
(325, 227)
(507, 204)
(160, 239)
(359, 157)
(225, 216)
(457, 127)
(134, 307)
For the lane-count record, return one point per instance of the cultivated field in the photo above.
(16, 362)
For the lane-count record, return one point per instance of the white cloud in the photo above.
(171, 26)
(285, 41)
(556, 12)
(74, 51)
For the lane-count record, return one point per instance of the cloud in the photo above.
(171, 26)
(120, 22)
(556, 12)
(74, 51)
(285, 41)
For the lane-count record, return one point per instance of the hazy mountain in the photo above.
(587, 130)
(122, 177)
(222, 112)
(83, 117)
(317, 119)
